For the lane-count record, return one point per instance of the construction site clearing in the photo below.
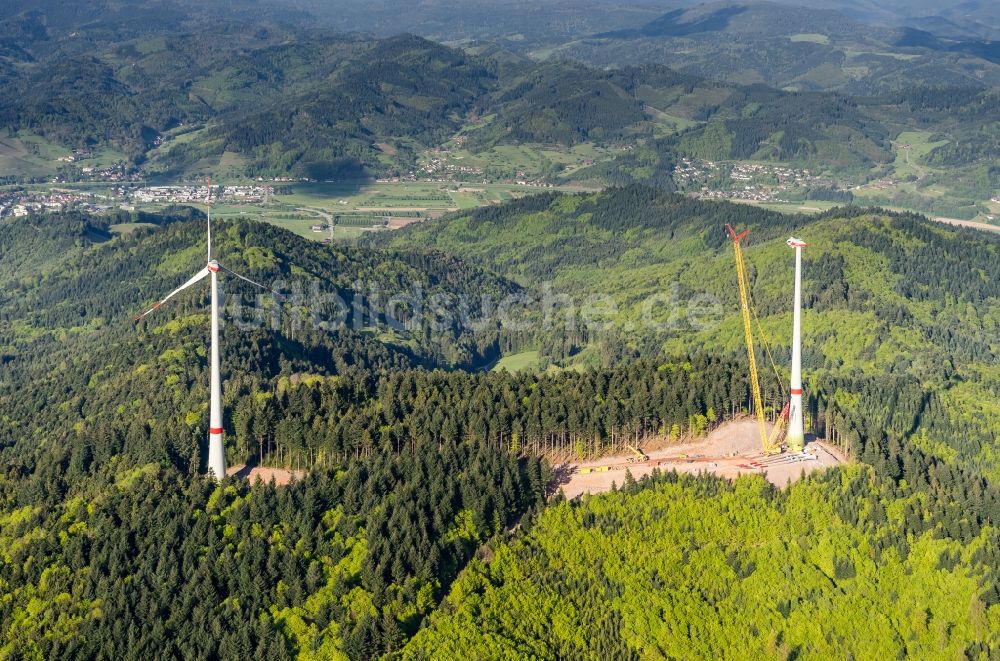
(730, 450)
(280, 476)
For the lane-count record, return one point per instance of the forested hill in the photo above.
(285, 100)
(71, 351)
(402, 91)
(103, 430)
(113, 545)
(675, 567)
(133, 92)
(888, 295)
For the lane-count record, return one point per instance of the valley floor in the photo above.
(728, 451)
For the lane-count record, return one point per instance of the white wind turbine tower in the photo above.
(796, 438)
(216, 450)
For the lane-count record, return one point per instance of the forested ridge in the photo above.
(73, 359)
(285, 100)
(887, 295)
(427, 477)
(114, 546)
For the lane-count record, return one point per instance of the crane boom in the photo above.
(768, 444)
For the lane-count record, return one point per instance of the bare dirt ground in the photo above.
(396, 223)
(730, 450)
(280, 476)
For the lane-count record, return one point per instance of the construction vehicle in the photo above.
(770, 444)
(637, 454)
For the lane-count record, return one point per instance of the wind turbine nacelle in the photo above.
(795, 243)
(213, 266)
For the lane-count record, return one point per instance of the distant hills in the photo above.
(184, 97)
(954, 19)
(775, 43)
(511, 21)
(516, 20)
(792, 47)
(329, 106)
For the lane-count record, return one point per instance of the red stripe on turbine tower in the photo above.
(215, 430)
(796, 391)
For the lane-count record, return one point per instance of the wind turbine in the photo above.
(216, 450)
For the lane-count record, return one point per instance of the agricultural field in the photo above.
(957, 192)
(353, 208)
(809, 37)
(805, 206)
(525, 162)
(516, 362)
(911, 147)
(668, 124)
(128, 228)
(28, 155)
(419, 196)
(532, 361)
(357, 207)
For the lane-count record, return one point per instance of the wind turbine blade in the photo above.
(252, 282)
(197, 276)
(208, 206)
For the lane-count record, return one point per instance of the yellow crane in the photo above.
(769, 444)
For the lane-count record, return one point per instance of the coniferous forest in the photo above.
(427, 522)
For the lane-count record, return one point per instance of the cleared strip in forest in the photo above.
(986, 227)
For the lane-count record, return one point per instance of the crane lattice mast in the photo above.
(768, 444)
